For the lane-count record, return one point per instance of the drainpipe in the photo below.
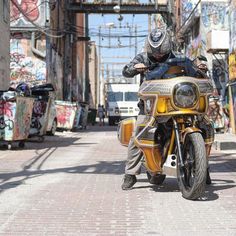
(34, 49)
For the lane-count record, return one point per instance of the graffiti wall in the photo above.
(186, 9)
(33, 11)
(55, 71)
(232, 66)
(24, 66)
(213, 15)
(233, 93)
(4, 46)
(194, 49)
(232, 49)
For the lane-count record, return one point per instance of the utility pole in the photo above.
(149, 20)
(67, 72)
(99, 66)
(136, 41)
(102, 86)
(87, 85)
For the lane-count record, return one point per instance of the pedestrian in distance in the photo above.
(100, 115)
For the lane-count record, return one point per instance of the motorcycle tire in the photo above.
(192, 176)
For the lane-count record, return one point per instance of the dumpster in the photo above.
(15, 117)
(92, 114)
(41, 116)
(66, 114)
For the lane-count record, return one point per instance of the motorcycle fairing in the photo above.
(145, 140)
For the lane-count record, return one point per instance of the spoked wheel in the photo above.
(192, 176)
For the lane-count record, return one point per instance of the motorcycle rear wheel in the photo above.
(192, 176)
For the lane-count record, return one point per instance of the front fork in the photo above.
(176, 138)
(177, 141)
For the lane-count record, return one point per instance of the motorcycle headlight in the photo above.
(185, 95)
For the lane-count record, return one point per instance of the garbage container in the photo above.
(92, 114)
(41, 108)
(66, 113)
(15, 118)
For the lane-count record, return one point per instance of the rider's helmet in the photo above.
(158, 43)
(23, 89)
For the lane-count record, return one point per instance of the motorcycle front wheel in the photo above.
(192, 176)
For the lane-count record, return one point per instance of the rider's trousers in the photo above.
(133, 162)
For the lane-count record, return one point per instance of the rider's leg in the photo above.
(133, 162)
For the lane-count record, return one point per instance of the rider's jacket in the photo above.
(150, 62)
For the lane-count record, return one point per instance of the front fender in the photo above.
(189, 130)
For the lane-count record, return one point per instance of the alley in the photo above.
(70, 185)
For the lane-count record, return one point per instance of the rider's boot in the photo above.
(208, 179)
(128, 182)
(156, 179)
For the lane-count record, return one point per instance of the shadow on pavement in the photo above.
(49, 142)
(171, 185)
(102, 167)
(97, 128)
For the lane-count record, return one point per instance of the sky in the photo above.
(109, 48)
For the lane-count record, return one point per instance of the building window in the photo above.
(5, 10)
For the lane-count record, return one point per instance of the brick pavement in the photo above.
(70, 185)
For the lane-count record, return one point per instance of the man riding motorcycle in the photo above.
(158, 51)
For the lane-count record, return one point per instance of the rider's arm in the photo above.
(129, 70)
(190, 68)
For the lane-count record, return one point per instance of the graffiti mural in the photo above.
(213, 15)
(233, 92)
(232, 66)
(193, 49)
(33, 11)
(54, 71)
(24, 66)
(232, 18)
(187, 8)
(232, 44)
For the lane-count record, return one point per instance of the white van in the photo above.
(121, 101)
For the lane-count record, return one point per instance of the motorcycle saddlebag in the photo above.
(125, 130)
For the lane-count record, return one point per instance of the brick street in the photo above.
(70, 185)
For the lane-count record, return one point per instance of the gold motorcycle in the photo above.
(170, 136)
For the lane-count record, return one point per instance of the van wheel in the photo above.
(111, 121)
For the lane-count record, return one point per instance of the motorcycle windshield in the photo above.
(158, 72)
(172, 68)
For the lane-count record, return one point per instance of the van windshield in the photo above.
(115, 96)
(131, 96)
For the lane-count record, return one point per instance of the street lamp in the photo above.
(116, 9)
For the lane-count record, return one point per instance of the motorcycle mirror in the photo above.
(202, 58)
